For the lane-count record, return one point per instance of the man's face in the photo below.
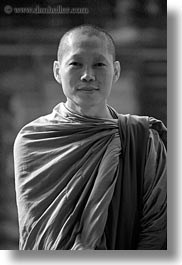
(86, 70)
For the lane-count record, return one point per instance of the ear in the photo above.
(56, 70)
(117, 70)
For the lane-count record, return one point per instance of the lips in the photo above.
(88, 88)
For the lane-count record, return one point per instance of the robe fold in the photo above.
(90, 183)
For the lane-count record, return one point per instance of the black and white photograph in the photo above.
(83, 136)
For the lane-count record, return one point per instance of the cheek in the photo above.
(107, 73)
(66, 79)
(70, 78)
(107, 77)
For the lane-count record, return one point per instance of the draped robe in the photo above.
(87, 183)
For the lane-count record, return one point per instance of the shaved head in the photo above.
(90, 31)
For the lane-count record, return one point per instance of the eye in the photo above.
(75, 64)
(99, 64)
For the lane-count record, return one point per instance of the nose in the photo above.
(87, 75)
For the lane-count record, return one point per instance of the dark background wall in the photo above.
(28, 44)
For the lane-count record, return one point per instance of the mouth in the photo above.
(88, 88)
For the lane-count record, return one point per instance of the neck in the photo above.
(101, 111)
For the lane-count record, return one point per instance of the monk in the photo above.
(87, 177)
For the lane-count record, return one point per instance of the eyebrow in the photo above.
(97, 57)
(77, 56)
(101, 57)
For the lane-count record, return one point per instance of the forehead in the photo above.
(80, 43)
(87, 40)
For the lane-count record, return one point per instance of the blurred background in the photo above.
(29, 35)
